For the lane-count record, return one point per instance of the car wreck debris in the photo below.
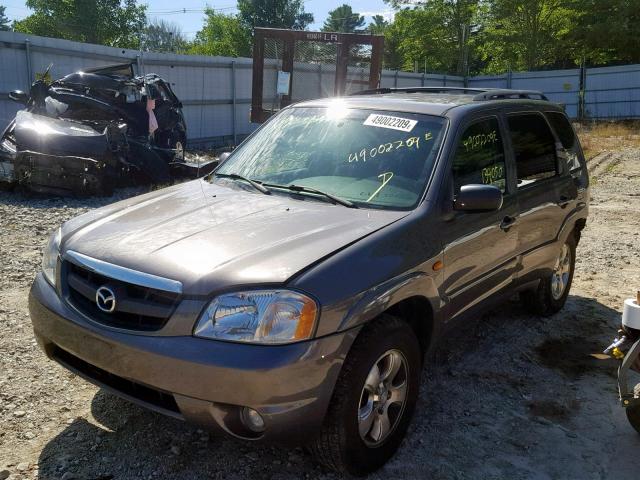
(91, 131)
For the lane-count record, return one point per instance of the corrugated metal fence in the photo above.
(562, 86)
(216, 91)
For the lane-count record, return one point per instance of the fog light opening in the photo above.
(252, 420)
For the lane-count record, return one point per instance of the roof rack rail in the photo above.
(505, 93)
(480, 94)
(387, 90)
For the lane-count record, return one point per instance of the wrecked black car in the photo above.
(91, 131)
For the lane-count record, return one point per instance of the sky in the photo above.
(191, 21)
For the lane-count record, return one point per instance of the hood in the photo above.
(53, 136)
(212, 237)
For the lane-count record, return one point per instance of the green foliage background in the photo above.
(445, 36)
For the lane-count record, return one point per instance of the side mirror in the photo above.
(478, 198)
(19, 96)
(223, 157)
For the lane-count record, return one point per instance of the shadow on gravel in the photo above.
(129, 442)
(486, 382)
(567, 339)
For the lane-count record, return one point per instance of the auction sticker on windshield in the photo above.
(394, 123)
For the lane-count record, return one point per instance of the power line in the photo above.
(191, 10)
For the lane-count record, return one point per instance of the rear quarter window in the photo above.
(567, 137)
(534, 148)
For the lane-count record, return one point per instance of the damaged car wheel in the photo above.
(373, 401)
(179, 145)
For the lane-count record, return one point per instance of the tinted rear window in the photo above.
(534, 148)
(567, 137)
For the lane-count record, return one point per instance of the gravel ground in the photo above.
(509, 396)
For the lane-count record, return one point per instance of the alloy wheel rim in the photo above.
(561, 271)
(179, 157)
(383, 398)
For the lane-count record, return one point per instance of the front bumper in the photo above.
(203, 381)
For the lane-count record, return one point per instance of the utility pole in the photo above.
(463, 63)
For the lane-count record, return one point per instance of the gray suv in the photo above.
(293, 293)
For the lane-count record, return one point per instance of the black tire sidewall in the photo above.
(360, 457)
(541, 301)
(556, 305)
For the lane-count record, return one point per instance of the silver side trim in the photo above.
(122, 273)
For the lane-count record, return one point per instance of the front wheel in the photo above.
(552, 291)
(373, 401)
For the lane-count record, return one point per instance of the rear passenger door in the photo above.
(479, 247)
(544, 187)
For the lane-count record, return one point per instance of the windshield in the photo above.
(371, 158)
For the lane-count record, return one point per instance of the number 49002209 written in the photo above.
(384, 148)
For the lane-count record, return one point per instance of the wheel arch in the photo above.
(418, 312)
(573, 225)
(413, 298)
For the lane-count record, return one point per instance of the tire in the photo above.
(340, 446)
(545, 301)
(633, 414)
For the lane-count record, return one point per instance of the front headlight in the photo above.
(50, 257)
(259, 316)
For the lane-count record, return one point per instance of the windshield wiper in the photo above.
(234, 176)
(301, 188)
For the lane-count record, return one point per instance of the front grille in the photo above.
(135, 390)
(137, 308)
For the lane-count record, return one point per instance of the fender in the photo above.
(580, 212)
(380, 298)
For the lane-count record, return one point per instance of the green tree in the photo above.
(528, 34)
(392, 58)
(274, 14)
(117, 23)
(222, 35)
(378, 25)
(163, 36)
(608, 31)
(439, 34)
(491, 36)
(4, 21)
(343, 19)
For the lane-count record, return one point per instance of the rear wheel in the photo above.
(553, 290)
(373, 401)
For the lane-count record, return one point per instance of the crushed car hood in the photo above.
(211, 236)
(58, 137)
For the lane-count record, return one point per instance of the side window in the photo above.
(534, 147)
(479, 156)
(568, 138)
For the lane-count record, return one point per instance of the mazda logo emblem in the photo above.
(106, 299)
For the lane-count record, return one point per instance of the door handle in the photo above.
(564, 201)
(508, 222)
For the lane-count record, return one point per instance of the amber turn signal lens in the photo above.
(307, 320)
(438, 266)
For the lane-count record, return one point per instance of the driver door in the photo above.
(479, 247)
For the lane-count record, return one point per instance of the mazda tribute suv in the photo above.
(294, 293)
